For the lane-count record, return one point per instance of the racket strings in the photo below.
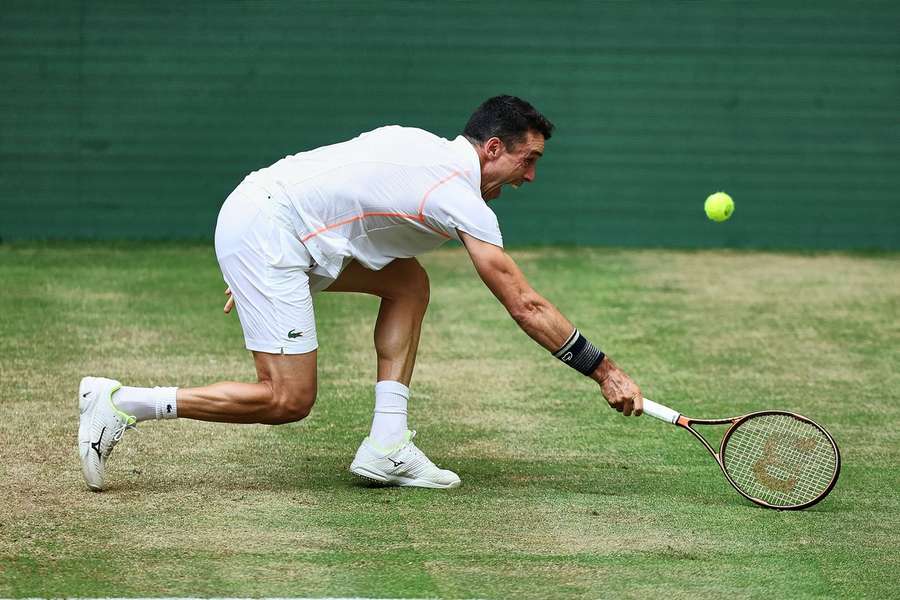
(780, 459)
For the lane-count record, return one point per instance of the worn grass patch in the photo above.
(561, 497)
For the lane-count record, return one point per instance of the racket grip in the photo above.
(663, 413)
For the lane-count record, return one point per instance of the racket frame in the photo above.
(671, 416)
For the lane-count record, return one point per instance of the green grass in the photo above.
(561, 496)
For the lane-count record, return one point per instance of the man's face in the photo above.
(509, 166)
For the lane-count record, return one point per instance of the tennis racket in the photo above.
(774, 458)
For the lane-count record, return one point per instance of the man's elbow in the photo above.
(524, 310)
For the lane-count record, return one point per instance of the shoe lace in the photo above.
(129, 423)
(418, 457)
(418, 454)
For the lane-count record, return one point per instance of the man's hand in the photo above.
(620, 391)
(229, 304)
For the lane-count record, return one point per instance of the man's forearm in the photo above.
(541, 321)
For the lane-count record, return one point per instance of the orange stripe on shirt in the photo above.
(357, 218)
(434, 187)
(420, 217)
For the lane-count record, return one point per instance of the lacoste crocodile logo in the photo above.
(294, 334)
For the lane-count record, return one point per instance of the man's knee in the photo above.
(291, 404)
(415, 284)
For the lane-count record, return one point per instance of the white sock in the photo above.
(389, 420)
(147, 403)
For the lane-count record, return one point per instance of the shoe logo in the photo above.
(85, 395)
(96, 445)
(168, 408)
(294, 334)
(397, 463)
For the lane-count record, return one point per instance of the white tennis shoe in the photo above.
(404, 466)
(100, 427)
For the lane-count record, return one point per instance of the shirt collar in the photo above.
(474, 170)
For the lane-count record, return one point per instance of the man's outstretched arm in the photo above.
(543, 322)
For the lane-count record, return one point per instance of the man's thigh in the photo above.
(402, 276)
(288, 373)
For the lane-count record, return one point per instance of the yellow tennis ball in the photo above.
(719, 206)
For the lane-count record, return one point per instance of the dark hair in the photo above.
(508, 118)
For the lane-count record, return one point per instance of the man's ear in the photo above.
(493, 147)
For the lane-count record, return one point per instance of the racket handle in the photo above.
(663, 413)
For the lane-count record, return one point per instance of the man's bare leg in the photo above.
(285, 392)
(403, 288)
(388, 454)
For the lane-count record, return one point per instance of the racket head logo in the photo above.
(780, 460)
(770, 461)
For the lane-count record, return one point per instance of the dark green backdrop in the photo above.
(135, 120)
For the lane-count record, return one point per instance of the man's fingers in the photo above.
(229, 304)
(623, 395)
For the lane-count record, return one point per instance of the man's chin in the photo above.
(491, 194)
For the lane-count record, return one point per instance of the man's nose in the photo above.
(529, 175)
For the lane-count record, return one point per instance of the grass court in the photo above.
(561, 496)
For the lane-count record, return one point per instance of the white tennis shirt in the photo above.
(394, 192)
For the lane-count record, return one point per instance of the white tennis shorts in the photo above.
(271, 275)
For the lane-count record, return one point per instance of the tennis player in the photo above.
(352, 217)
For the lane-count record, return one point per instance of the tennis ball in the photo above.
(719, 206)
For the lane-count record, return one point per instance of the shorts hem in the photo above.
(302, 348)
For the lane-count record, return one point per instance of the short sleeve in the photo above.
(457, 208)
